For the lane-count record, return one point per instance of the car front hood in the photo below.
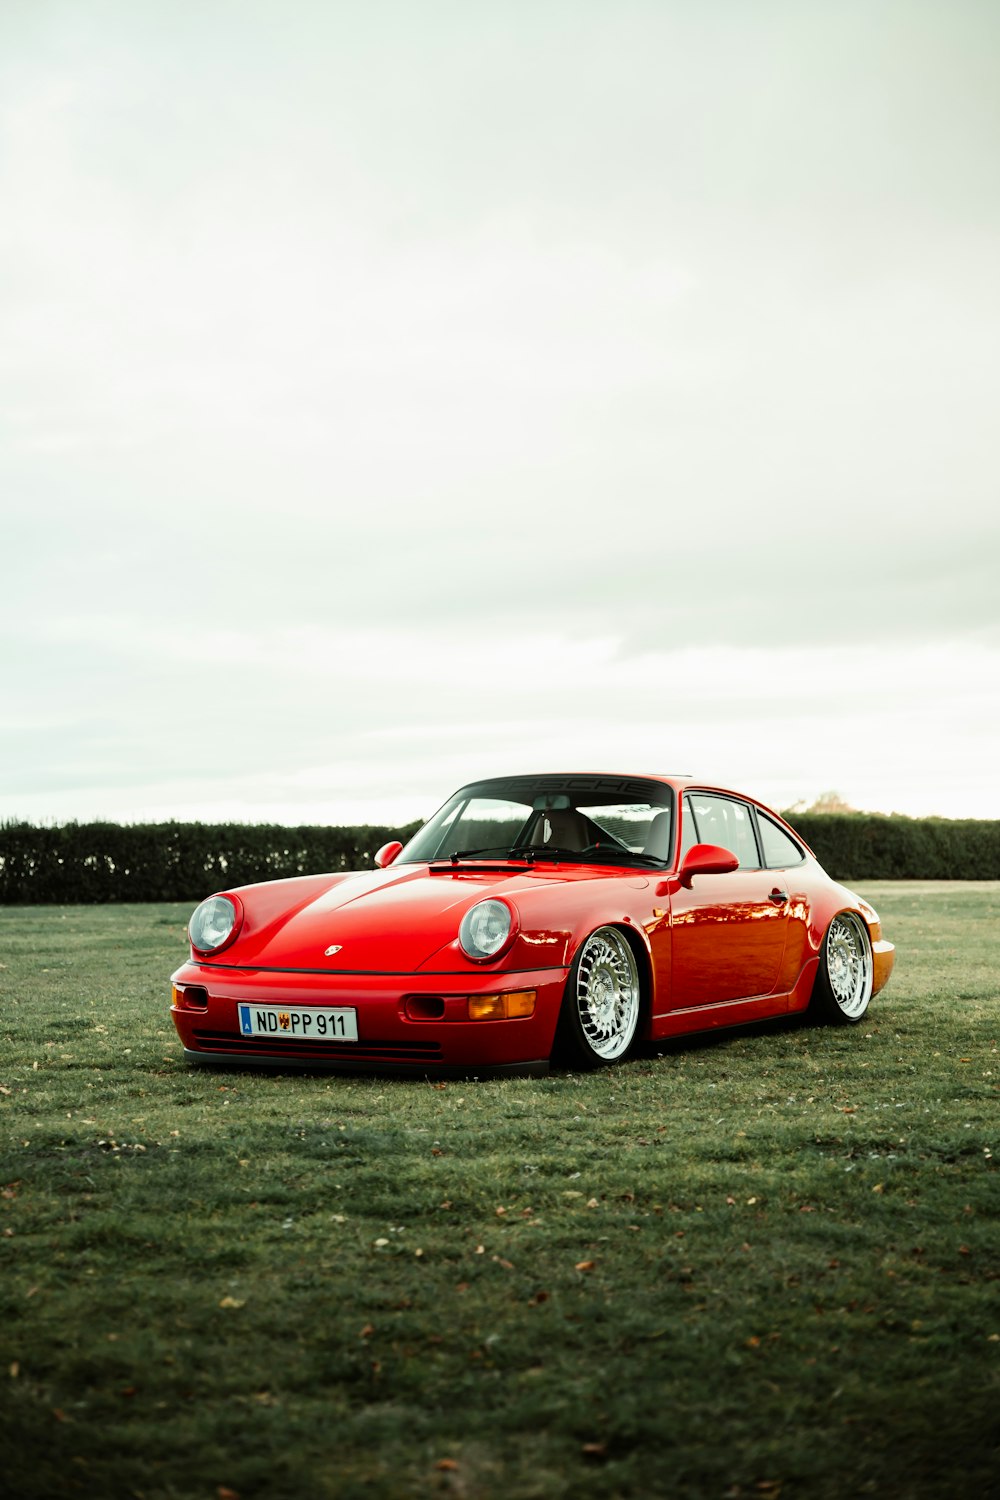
(394, 921)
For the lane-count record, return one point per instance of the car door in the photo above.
(785, 860)
(727, 932)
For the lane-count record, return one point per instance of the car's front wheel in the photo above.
(603, 1000)
(846, 971)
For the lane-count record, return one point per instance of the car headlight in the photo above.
(486, 928)
(214, 924)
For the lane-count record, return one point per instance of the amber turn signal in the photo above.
(518, 1003)
(191, 997)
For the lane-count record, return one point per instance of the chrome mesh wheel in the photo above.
(607, 995)
(849, 967)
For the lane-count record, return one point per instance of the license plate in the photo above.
(313, 1023)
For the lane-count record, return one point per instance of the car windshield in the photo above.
(580, 819)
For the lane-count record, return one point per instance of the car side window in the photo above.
(689, 829)
(728, 823)
(780, 850)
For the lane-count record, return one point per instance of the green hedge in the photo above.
(98, 862)
(863, 846)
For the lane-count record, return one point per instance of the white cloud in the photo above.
(306, 726)
(619, 392)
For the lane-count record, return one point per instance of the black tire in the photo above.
(843, 986)
(602, 1004)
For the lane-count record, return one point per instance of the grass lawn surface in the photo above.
(753, 1265)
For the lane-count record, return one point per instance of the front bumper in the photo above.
(883, 960)
(207, 996)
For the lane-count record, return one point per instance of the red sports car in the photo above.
(575, 915)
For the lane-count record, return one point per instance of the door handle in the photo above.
(778, 897)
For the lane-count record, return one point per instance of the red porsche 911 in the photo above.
(573, 916)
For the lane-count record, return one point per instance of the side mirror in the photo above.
(706, 859)
(387, 853)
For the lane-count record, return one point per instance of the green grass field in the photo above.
(757, 1265)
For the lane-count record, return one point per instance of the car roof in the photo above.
(666, 779)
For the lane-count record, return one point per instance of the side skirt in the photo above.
(694, 1018)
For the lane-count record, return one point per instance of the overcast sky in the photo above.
(394, 393)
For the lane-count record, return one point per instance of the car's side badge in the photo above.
(333, 948)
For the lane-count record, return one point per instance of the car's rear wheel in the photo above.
(846, 971)
(603, 1000)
